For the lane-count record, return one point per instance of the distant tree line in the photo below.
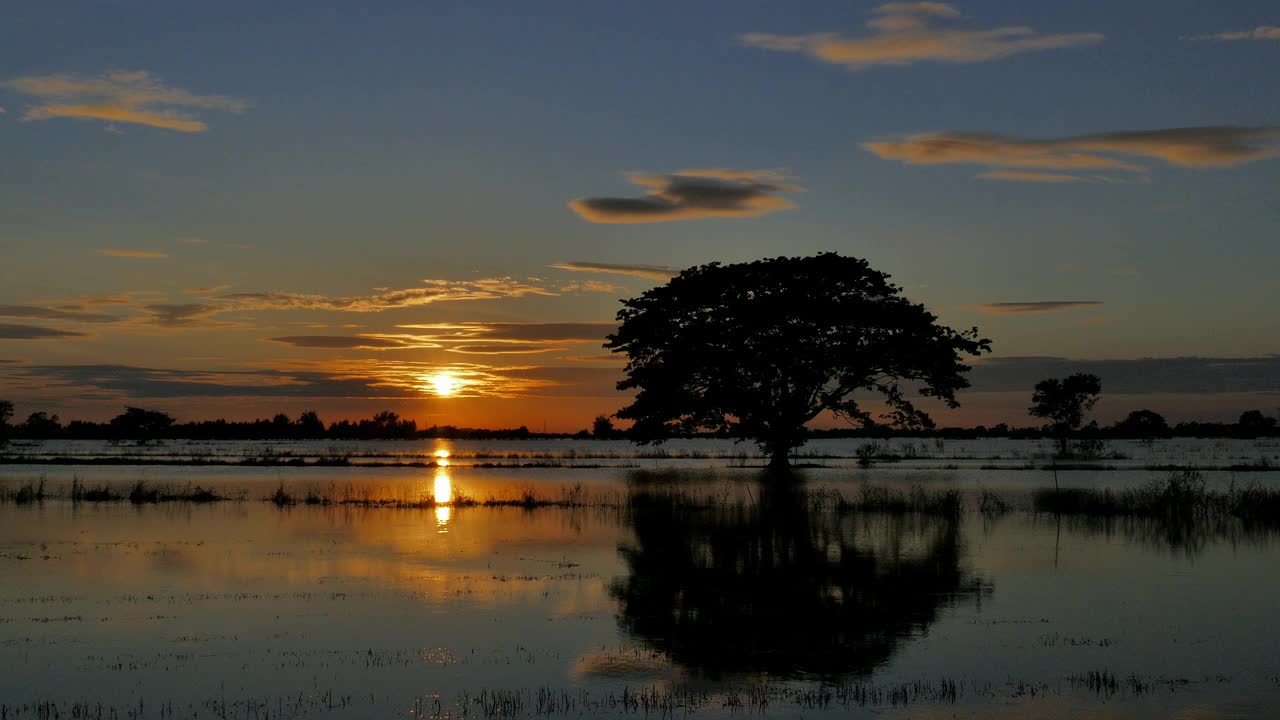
(140, 424)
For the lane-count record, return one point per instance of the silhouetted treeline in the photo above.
(141, 424)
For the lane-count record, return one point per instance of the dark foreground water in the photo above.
(671, 593)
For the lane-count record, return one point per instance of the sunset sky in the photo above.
(237, 208)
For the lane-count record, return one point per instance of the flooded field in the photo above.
(622, 583)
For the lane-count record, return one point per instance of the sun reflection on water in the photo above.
(443, 491)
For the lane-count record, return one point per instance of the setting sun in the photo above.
(444, 384)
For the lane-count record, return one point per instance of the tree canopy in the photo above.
(1064, 403)
(757, 350)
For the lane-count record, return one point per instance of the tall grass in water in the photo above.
(917, 500)
(1182, 494)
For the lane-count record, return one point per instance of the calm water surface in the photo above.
(678, 591)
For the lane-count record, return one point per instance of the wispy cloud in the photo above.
(473, 338)
(1031, 308)
(345, 342)
(1031, 176)
(1026, 160)
(590, 286)
(125, 253)
(1262, 32)
(54, 313)
(179, 315)
(651, 272)
(433, 291)
(10, 331)
(119, 96)
(516, 332)
(903, 33)
(1139, 375)
(692, 195)
(206, 290)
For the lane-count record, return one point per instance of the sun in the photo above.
(444, 384)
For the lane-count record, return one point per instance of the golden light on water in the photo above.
(443, 491)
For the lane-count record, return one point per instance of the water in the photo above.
(682, 587)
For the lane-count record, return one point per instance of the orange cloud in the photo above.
(432, 292)
(903, 33)
(650, 272)
(691, 195)
(1018, 159)
(149, 254)
(120, 96)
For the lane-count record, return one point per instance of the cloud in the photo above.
(903, 33)
(691, 195)
(180, 315)
(651, 272)
(206, 290)
(1262, 32)
(151, 254)
(9, 331)
(433, 292)
(579, 332)
(591, 286)
(45, 313)
(1134, 376)
(193, 241)
(469, 338)
(345, 342)
(1031, 176)
(501, 349)
(1033, 308)
(119, 96)
(1018, 159)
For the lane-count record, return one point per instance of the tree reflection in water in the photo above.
(784, 585)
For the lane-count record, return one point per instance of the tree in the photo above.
(602, 428)
(310, 425)
(1143, 424)
(757, 350)
(6, 412)
(41, 424)
(1064, 403)
(141, 423)
(1253, 422)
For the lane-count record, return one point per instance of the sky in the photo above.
(238, 208)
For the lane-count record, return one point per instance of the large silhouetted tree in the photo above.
(756, 350)
(1064, 403)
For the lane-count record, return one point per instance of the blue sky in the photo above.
(334, 151)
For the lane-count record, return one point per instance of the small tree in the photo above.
(1143, 424)
(602, 428)
(1254, 423)
(757, 350)
(1065, 403)
(136, 422)
(41, 425)
(310, 425)
(6, 413)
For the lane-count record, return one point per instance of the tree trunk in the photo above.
(779, 458)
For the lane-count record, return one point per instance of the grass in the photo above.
(916, 501)
(1182, 494)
